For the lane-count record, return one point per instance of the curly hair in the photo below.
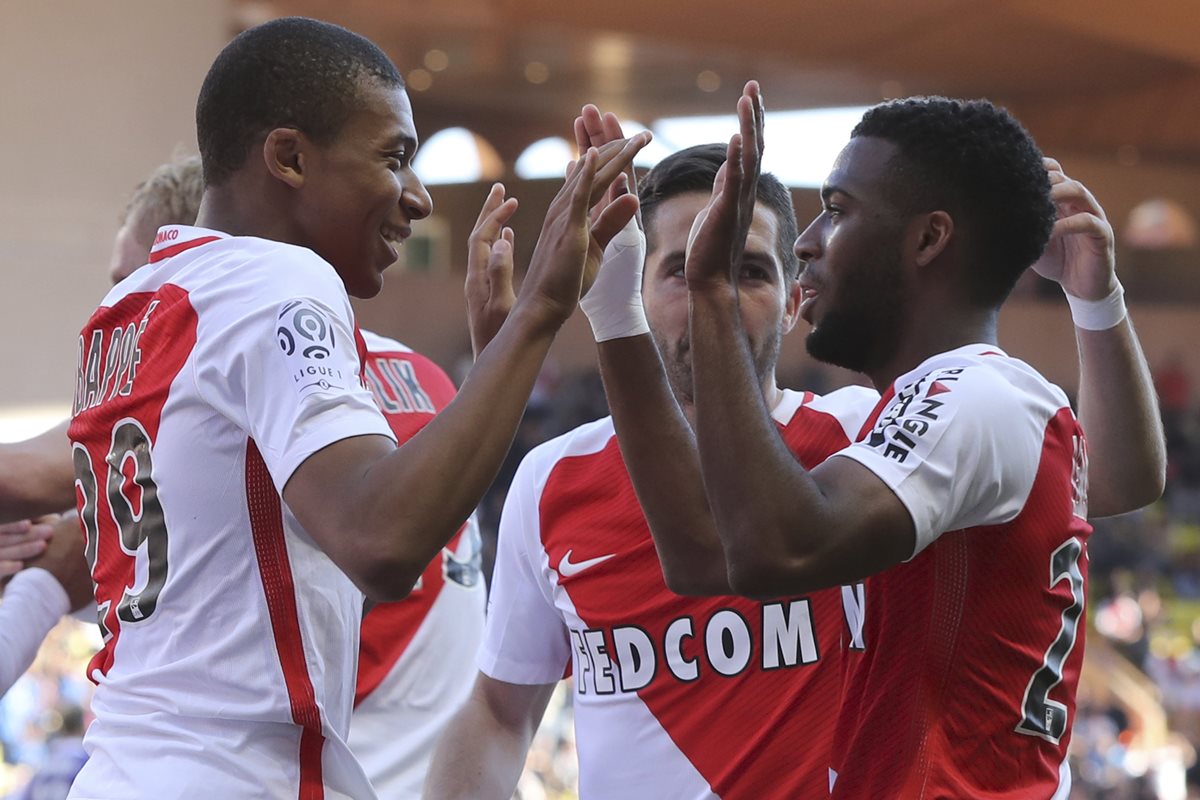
(290, 72)
(170, 196)
(973, 160)
(695, 170)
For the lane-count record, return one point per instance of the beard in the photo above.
(677, 359)
(861, 328)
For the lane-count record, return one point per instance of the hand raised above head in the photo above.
(489, 284)
(718, 236)
(574, 236)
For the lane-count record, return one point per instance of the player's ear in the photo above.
(791, 308)
(283, 154)
(931, 236)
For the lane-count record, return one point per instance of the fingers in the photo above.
(23, 551)
(491, 202)
(611, 163)
(584, 185)
(1085, 223)
(1051, 164)
(613, 218)
(1072, 197)
(593, 123)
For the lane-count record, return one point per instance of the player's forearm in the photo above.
(478, 757)
(36, 476)
(768, 510)
(33, 603)
(659, 450)
(1118, 409)
(414, 500)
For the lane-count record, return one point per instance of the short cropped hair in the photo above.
(170, 196)
(973, 160)
(291, 72)
(695, 170)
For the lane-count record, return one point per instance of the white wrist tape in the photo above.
(614, 303)
(1098, 315)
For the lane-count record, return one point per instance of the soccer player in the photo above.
(963, 501)
(240, 489)
(577, 587)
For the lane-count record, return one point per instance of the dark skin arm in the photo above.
(380, 512)
(784, 529)
(1117, 404)
(37, 476)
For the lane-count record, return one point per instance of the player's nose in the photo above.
(808, 243)
(415, 198)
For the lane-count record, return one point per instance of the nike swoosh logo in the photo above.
(566, 568)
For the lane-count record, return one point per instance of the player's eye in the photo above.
(397, 160)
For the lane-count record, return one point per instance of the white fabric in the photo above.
(1098, 315)
(396, 728)
(961, 440)
(33, 604)
(613, 305)
(527, 641)
(196, 694)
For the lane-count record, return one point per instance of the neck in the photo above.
(935, 332)
(772, 394)
(244, 205)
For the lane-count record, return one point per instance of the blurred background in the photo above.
(94, 96)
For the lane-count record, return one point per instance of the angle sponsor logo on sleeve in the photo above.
(915, 409)
(307, 340)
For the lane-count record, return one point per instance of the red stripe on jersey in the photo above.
(762, 733)
(389, 628)
(266, 523)
(176, 249)
(130, 354)
(875, 412)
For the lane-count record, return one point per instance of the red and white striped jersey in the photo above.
(416, 658)
(963, 684)
(231, 640)
(675, 697)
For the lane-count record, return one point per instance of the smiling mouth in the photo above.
(395, 234)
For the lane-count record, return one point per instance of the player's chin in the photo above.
(366, 284)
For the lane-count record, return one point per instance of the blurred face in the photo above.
(768, 307)
(131, 248)
(360, 194)
(855, 290)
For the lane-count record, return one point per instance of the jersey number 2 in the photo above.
(1042, 716)
(145, 526)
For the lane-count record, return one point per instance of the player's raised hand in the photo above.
(21, 541)
(718, 236)
(1081, 255)
(595, 129)
(489, 286)
(573, 239)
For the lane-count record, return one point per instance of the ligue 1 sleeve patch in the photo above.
(312, 349)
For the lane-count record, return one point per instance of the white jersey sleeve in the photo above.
(33, 604)
(960, 447)
(526, 640)
(285, 367)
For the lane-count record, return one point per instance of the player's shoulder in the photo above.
(982, 377)
(589, 439)
(847, 407)
(383, 344)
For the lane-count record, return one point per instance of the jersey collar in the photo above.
(171, 240)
